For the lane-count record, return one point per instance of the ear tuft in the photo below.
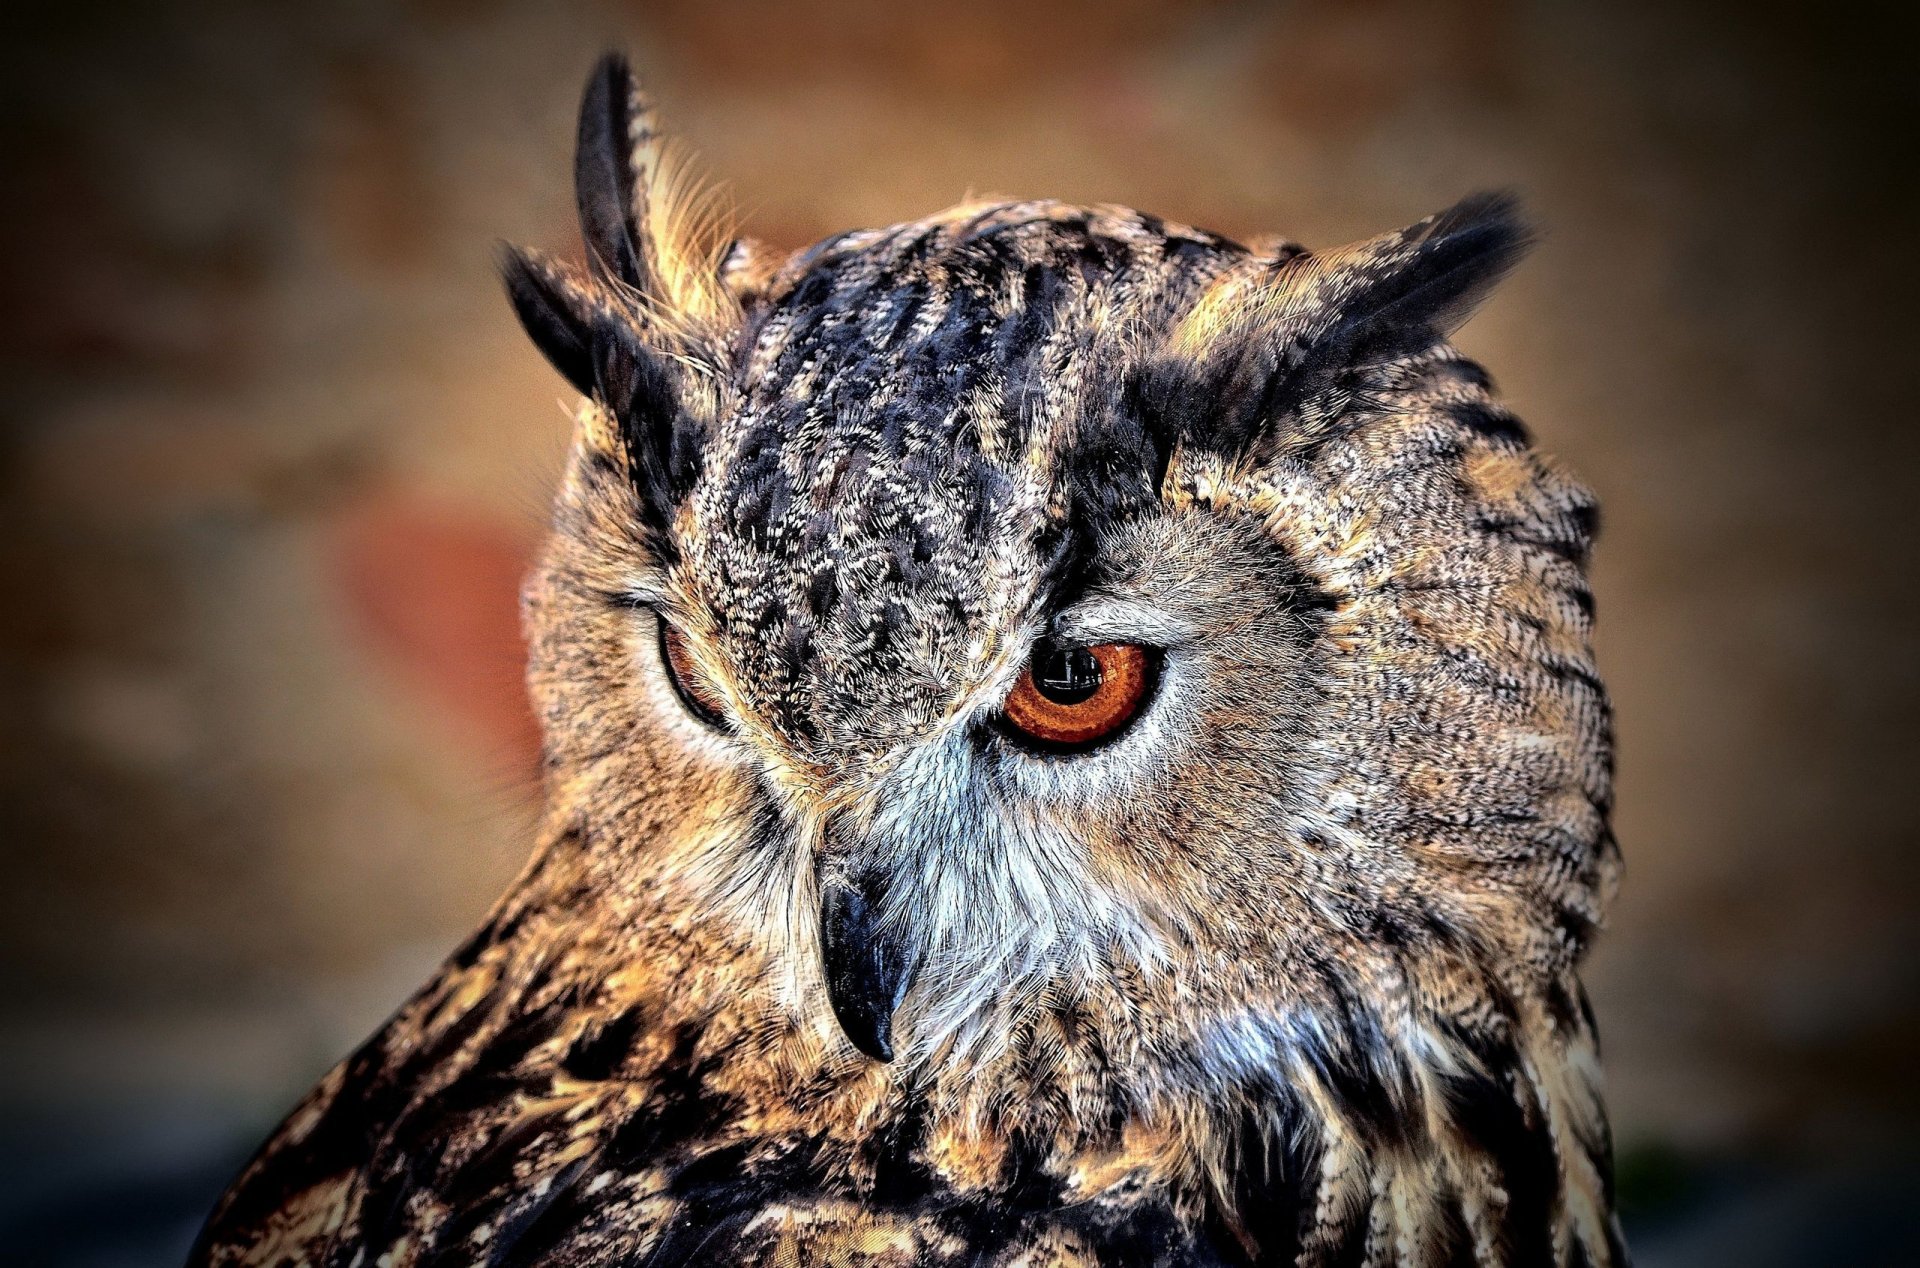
(1425, 281)
(615, 138)
(642, 330)
(556, 308)
(747, 268)
(1275, 347)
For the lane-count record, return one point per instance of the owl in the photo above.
(1070, 740)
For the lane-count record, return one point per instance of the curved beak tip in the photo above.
(876, 1042)
(866, 970)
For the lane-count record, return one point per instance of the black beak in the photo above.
(866, 963)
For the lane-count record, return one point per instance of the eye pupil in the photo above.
(1068, 675)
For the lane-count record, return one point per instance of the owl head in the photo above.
(1037, 603)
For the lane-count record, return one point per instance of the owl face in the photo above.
(1037, 600)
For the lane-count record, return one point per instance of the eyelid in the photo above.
(1113, 619)
(643, 597)
(687, 687)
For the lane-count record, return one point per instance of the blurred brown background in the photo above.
(274, 455)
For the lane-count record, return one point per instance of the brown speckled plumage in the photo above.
(1285, 974)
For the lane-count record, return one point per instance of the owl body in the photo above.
(832, 955)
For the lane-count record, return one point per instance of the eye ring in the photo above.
(1071, 699)
(683, 673)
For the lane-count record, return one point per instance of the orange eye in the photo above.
(1073, 698)
(700, 699)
